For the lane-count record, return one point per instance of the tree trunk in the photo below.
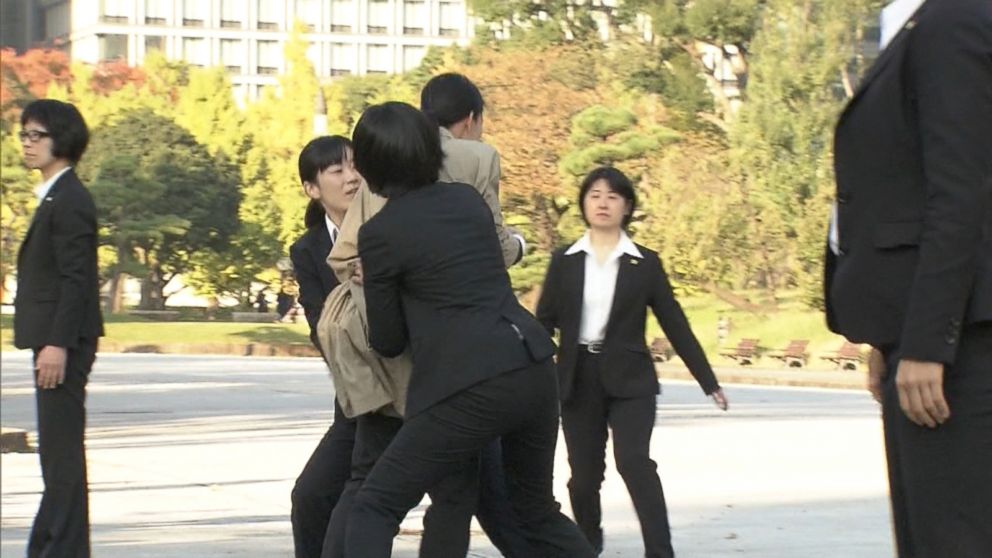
(151, 290)
(115, 302)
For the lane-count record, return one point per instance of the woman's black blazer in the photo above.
(627, 368)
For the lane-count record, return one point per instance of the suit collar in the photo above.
(43, 189)
(894, 46)
(624, 246)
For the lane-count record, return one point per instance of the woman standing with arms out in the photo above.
(596, 294)
(330, 182)
(435, 279)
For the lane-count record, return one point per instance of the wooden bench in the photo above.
(745, 353)
(255, 317)
(163, 315)
(847, 357)
(794, 355)
(661, 350)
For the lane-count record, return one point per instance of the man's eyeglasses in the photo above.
(34, 135)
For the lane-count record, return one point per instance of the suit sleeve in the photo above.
(311, 290)
(74, 236)
(672, 320)
(386, 321)
(950, 65)
(488, 184)
(547, 304)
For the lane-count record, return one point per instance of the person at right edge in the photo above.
(909, 265)
(596, 294)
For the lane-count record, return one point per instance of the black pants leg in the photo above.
(941, 479)
(62, 527)
(320, 485)
(632, 422)
(522, 407)
(495, 512)
(373, 434)
(584, 419)
(449, 518)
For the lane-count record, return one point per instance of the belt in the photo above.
(592, 348)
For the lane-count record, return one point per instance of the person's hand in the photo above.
(921, 392)
(719, 399)
(50, 365)
(356, 273)
(876, 374)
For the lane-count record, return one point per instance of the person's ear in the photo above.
(311, 190)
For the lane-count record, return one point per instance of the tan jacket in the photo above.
(466, 161)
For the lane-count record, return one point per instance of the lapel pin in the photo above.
(633, 261)
(49, 198)
(910, 24)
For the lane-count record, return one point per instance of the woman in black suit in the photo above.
(330, 181)
(596, 294)
(435, 279)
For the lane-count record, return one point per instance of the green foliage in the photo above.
(539, 24)
(781, 144)
(17, 202)
(605, 136)
(600, 122)
(207, 110)
(723, 22)
(162, 197)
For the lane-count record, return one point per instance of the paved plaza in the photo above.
(195, 457)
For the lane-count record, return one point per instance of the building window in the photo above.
(156, 11)
(343, 16)
(414, 17)
(232, 55)
(412, 56)
(379, 60)
(113, 47)
(57, 21)
(452, 19)
(269, 54)
(379, 16)
(268, 14)
(154, 42)
(194, 13)
(114, 11)
(195, 51)
(308, 12)
(343, 59)
(232, 14)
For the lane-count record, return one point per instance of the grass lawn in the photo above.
(123, 329)
(790, 320)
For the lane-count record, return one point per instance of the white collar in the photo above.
(894, 17)
(332, 229)
(41, 190)
(624, 246)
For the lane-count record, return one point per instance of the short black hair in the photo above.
(321, 153)
(617, 182)
(64, 124)
(449, 98)
(397, 149)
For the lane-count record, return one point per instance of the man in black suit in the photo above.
(57, 315)
(909, 265)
